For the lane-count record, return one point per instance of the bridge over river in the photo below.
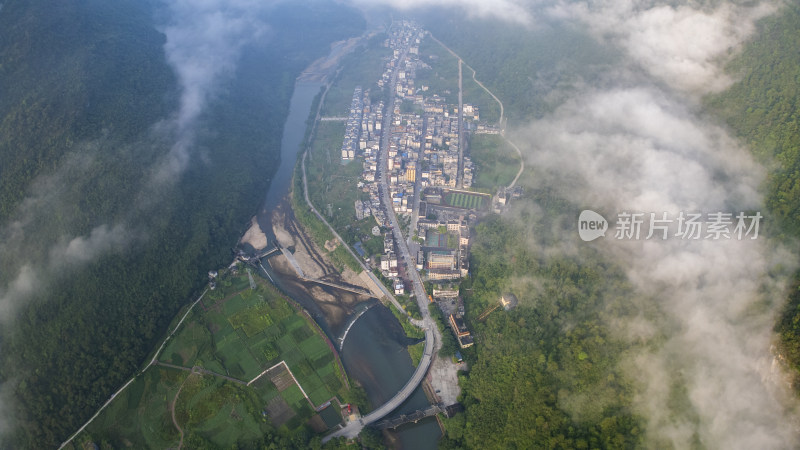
(415, 417)
(352, 429)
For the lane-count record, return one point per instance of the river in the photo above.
(374, 353)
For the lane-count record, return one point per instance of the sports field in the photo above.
(465, 200)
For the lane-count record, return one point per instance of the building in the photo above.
(461, 332)
(443, 274)
(439, 259)
(445, 293)
(459, 327)
(359, 209)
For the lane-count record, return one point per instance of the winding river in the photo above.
(374, 353)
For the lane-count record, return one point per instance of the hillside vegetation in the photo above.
(83, 87)
(762, 109)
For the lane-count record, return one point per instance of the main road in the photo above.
(433, 338)
(499, 122)
(386, 198)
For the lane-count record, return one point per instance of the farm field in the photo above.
(245, 363)
(497, 163)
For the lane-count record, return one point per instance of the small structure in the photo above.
(509, 301)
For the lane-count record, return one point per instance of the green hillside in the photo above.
(83, 85)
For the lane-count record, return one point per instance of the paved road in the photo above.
(460, 173)
(201, 370)
(402, 246)
(366, 269)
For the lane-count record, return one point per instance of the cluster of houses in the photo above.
(423, 157)
(352, 129)
(424, 143)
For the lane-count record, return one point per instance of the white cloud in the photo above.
(63, 258)
(639, 149)
(682, 45)
(205, 39)
(509, 10)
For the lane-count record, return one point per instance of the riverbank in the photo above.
(335, 305)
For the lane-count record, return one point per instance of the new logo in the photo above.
(591, 225)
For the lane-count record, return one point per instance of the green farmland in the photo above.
(229, 375)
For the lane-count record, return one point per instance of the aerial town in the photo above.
(427, 174)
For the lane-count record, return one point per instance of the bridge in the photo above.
(415, 417)
(352, 429)
(267, 252)
(353, 289)
(278, 248)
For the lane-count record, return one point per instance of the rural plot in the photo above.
(183, 349)
(139, 417)
(279, 411)
(217, 410)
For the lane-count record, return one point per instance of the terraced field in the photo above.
(243, 363)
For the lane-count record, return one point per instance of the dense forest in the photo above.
(84, 89)
(761, 107)
(531, 383)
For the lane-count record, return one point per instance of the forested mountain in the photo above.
(761, 107)
(96, 257)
